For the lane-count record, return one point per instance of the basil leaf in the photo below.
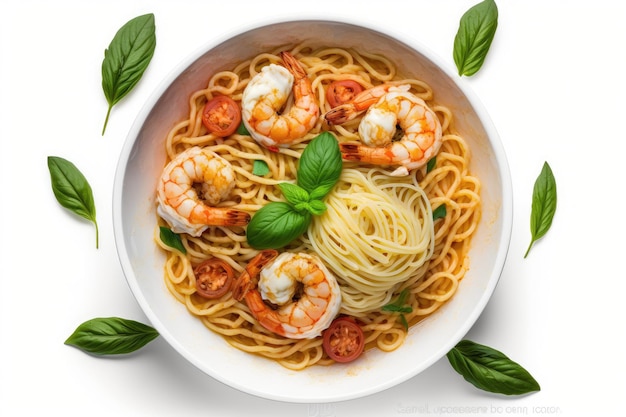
(402, 297)
(320, 166)
(71, 189)
(300, 199)
(440, 212)
(242, 130)
(397, 308)
(490, 370)
(111, 336)
(405, 323)
(316, 207)
(543, 205)
(294, 193)
(172, 239)
(275, 225)
(260, 168)
(126, 59)
(430, 165)
(477, 29)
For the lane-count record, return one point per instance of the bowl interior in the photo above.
(143, 158)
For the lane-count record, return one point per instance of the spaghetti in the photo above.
(376, 251)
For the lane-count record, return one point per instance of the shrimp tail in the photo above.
(225, 217)
(266, 317)
(361, 153)
(341, 114)
(242, 285)
(249, 277)
(237, 218)
(363, 101)
(291, 63)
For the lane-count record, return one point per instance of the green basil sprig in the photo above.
(71, 189)
(111, 336)
(278, 223)
(294, 194)
(400, 306)
(127, 58)
(477, 29)
(543, 205)
(301, 200)
(490, 370)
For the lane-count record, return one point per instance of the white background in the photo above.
(554, 86)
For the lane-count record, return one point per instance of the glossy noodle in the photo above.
(377, 236)
(377, 233)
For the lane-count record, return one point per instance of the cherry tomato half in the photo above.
(221, 115)
(214, 278)
(343, 341)
(342, 91)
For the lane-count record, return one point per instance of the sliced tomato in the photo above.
(342, 91)
(221, 115)
(214, 278)
(343, 341)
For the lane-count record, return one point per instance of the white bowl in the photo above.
(143, 158)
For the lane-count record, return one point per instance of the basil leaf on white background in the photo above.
(111, 336)
(72, 190)
(543, 205)
(490, 370)
(126, 59)
(477, 29)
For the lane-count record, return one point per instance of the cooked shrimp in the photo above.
(361, 102)
(420, 125)
(268, 92)
(277, 279)
(177, 195)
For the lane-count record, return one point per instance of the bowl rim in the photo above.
(493, 138)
